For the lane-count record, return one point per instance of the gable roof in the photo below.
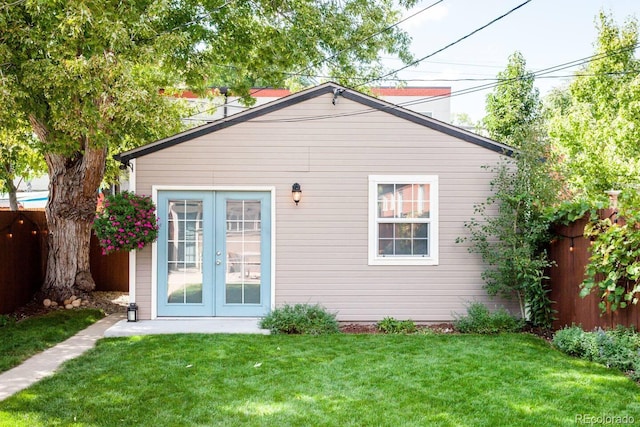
(269, 92)
(329, 87)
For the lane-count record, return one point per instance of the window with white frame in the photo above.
(403, 220)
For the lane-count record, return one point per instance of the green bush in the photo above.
(300, 319)
(635, 374)
(618, 348)
(480, 320)
(575, 342)
(389, 325)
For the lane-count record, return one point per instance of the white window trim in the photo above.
(432, 180)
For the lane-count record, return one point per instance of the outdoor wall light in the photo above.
(132, 312)
(296, 193)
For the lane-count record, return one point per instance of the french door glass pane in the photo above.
(243, 225)
(184, 251)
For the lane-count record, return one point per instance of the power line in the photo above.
(493, 21)
(408, 65)
(466, 64)
(535, 74)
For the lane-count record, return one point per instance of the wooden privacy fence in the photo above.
(23, 255)
(570, 251)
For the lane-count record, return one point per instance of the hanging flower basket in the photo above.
(126, 222)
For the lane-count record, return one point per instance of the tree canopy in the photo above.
(595, 121)
(513, 108)
(86, 76)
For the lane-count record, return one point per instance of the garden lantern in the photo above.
(132, 312)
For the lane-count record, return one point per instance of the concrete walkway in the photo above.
(215, 325)
(114, 325)
(44, 364)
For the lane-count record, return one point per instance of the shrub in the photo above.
(480, 320)
(575, 342)
(618, 348)
(389, 325)
(614, 266)
(300, 319)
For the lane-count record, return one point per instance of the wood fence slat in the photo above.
(23, 260)
(568, 273)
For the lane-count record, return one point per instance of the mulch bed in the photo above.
(440, 328)
(370, 328)
(109, 302)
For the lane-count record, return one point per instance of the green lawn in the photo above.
(21, 340)
(338, 380)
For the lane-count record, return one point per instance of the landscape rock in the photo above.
(68, 306)
(76, 302)
(46, 302)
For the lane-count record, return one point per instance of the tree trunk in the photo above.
(9, 186)
(73, 192)
(13, 198)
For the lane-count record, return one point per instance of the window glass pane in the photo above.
(385, 190)
(403, 231)
(386, 201)
(252, 282)
(193, 293)
(172, 230)
(175, 251)
(233, 293)
(420, 231)
(184, 285)
(385, 231)
(420, 247)
(422, 200)
(403, 247)
(385, 247)
(404, 197)
(184, 252)
(243, 241)
(251, 210)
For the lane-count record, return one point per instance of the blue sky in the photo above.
(546, 32)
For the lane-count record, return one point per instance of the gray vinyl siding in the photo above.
(321, 245)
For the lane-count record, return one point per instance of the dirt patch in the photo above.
(370, 328)
(109, 302)
(359, 328)
(544, 333)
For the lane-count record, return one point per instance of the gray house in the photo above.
(383, 194)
